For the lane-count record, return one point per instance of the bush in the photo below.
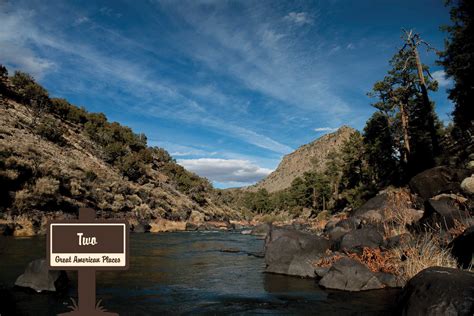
(51, 130)
(132, 166)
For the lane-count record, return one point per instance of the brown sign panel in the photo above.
(73, 245)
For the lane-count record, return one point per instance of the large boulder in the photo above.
(38, 277)
(437, 180)
(443, 210)
(389, 206)
(463, 248)
(350, 275)
(438, 291)
(291, 252)
(357, 239)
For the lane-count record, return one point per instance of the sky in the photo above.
(227, 87)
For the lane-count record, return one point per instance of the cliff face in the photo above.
(312, 156)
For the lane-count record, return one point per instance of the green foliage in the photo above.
(458, 62)
(134, 165)
(380, 151)
(399, 89)
(34, 95)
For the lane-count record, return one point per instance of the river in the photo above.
(189, 273)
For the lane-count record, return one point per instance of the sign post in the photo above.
(87, 245)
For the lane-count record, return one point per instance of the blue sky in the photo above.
(227, 87)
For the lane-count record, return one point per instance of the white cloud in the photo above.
(226, 170)
(299, 18)
(325, 129)
(443, 80)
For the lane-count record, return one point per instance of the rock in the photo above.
(398, 240)
(365, 237)
(196, 217)
(39, 278)
(443, 210)
(462, 248)
(467, 185)
(437, 180)
(349, 223)
(246, 232)
(164, 225)
(335, 235)
(141, 228)
(261, 230)
(389, 206)
(191, 226)
(292, 252)
(320, 272)
(6, 229)
(389, 280)
(350, 275)
(438, 291)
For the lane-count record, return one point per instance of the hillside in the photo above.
(309, 157)
(61, 158)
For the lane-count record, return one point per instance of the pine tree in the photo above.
(458, 62)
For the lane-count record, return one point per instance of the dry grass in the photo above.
(376, 260)
(425, 252)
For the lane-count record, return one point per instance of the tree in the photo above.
(34, 95)
(458, 62)
(402, 98)
(380, 152)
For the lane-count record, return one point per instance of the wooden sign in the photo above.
(87, 245)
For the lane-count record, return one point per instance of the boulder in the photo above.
(291, 252)
(443, 210)
(438, 291)
(437, 180)
(365, 237)
(191, 226)
(336, 234)
(467, 185)
(462, 248)
(38, 277)
(388, 206)
(261, 230)
(350, 275)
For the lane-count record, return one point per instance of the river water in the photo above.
(188, 273)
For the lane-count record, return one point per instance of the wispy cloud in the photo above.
(443, 80)
(226, 170)
(299, 18)
(324, 129)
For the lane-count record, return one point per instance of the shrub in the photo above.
(132, 166)
(51, 130)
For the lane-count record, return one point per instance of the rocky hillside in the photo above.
(61, 158)
(309, 157)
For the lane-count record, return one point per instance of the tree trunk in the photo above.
(406, 139)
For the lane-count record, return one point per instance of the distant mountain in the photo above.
(312, 156)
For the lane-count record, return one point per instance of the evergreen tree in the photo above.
(458, 62)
